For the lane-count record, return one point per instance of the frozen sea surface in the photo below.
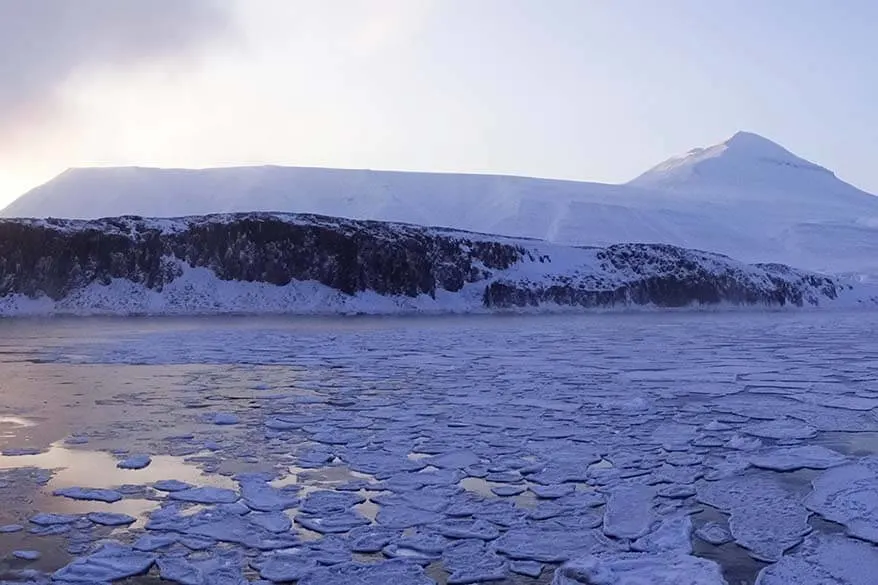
(703, 448)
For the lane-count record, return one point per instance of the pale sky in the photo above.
(582, 89)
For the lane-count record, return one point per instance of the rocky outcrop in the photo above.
(668, 276)
(56, 259)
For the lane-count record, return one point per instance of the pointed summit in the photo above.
(753, 145)
(744, 160)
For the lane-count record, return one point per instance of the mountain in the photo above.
(739, 164)
(746, 197)
(268, 263)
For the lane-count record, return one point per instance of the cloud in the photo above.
(44, 43)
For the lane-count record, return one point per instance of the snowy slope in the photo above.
(746, 197)
(268, 263)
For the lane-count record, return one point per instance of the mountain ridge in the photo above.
(746, 207)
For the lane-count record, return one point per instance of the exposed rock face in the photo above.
(56, 258)
(668, 276)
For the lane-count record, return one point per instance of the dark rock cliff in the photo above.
(54, 258)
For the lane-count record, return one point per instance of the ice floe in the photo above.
(639, 569)
(135, 462)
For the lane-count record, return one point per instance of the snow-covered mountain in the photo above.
(258, 262)
(735, 167)
(746, 197)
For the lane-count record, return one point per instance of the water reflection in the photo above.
(95, 469)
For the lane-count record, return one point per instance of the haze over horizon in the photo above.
(586, 91)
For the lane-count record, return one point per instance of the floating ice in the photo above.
(228, 527)
(334, 523)
(792, 458)
(112, 562)
(324, 502)
(553, 491)
(766, 517)
(224, 568)
(629, 512)
(673, 535)
(51, 530)
(282, 567)
(197, 543)
(110, 519)
(469, 562)
(206, 495)
(135, 462)
(380, 573)
(825, 560)
(20, 452)
(787, 428)
(549, 546)
(527, 568)
(179, 570)
(400, 516)
(848, 495)
(639, 569)
(677, 492)
(369, 539)
(94, 494)
(53, 519)
(26, 555)
(226, 418)
(151, 542)
(508, 490)
(478, 529)
(8, 528)
(453, 460)
(271, 521)
(259, 495)
(171, 485)
(714, 533)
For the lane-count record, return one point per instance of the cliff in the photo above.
(266, 262)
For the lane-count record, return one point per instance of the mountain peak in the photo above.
(745, 159)
(755, 145)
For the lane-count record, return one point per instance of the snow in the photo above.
(198, 290)
(746, 197)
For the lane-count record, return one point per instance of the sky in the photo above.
(592, 90)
